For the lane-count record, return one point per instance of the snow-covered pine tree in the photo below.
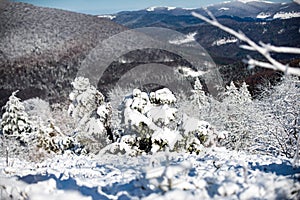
(50, 139)
(91, 114)
(15, 122)
(244, 93)
(234, 95)
(199, 97)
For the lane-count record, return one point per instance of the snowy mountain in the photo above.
(275, 23)
(238, 8)
(252, 8)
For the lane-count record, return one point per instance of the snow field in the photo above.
(215, 174)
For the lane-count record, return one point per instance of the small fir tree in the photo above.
(91, 114)
(199, 97)
(15, 121)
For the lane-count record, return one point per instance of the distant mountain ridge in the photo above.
(275, 23)
(242, 9)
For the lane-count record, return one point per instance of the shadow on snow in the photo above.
(137, 188)
(283, 169)
(69, 184)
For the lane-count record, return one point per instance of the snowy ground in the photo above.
(215, 174)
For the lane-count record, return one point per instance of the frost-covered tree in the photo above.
(241, 118)
(149, 118)
(289, 118)
(235, 116)
(38, 109)
(92, 115)
(282, 110)
(15, 122)
(199, 97)
(235, 95)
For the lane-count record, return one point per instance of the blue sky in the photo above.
(113, 6)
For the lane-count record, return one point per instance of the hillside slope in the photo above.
(41, 48)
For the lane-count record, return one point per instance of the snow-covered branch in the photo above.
(271, 48)
(263, 49)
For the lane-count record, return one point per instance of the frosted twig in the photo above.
(272, 48)
(263, 49)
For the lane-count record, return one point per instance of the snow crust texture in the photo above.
(214, 174)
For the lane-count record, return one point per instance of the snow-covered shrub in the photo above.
(150, 124)
(281, 107)
(162, 96)
(148, 118)
(197, 134)
(92, 115)
(50, 139)
(15, 122)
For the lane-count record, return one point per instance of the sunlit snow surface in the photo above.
(224, 41)
(283, 15)
(111, 17)
(151, 9)
(215, 174)
(263, 15)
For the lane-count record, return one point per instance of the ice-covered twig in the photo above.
(272, 48)
(263, 49)
(253, 62)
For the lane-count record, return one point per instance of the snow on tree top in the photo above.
(164, 113)
(163, 96)
(191, 125)
(81, 83)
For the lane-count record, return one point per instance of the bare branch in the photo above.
(263, 49)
